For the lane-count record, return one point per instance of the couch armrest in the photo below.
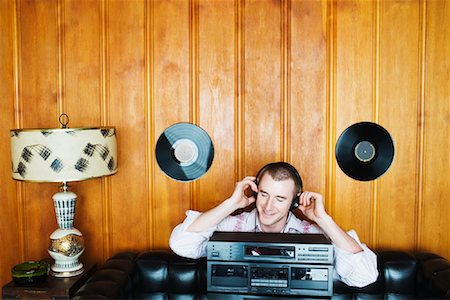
(154, 273)
(434, 275)
(163, 273)
(397, 276)
(114, 280)
(403, 276)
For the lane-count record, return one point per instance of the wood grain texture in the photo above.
(171, 103)
(435, 225)
(10, 226)
(263, 107)
(125, 30)
(217, 98)
(308, 130)
(81, 24)
(398, 100)
(268, 80)
(39, 90)
(354, 85)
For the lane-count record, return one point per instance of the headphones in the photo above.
(284, 166)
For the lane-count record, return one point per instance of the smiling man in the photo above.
(277, 190)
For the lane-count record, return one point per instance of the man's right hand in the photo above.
(239, 199)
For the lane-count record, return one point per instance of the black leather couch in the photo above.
(160, 274)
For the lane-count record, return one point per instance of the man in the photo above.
(277, 189)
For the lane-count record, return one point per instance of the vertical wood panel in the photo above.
(331, 66)
(398, 95)
(171, 102)
(194, 97)
(104, 100)
(308, 98)
(263, 115)
(149, 115)
(352, 207)
(216, 90)
(38, 23)
(39, 86)
(81, 31)
(9, 222)
(285, 82)
(126, 106)
(239, 54)
(436, 182)
(421, 124)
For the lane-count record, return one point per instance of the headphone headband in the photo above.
(281, 165)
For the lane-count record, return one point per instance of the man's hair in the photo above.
(281, 171)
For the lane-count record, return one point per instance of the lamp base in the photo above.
(66, 242)
(64, 273)
(66, 247)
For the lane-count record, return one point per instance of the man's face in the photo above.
(273, 202)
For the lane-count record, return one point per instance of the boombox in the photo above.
(270, 264)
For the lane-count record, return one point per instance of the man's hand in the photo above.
(239, 199)
(311, 205)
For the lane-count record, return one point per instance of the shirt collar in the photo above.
(287, 227)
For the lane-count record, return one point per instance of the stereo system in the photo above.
(270, 264)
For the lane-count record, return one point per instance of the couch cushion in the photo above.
(440, 284)
(400, 270)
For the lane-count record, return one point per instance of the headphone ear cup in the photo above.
(255, 194)
(295, 203)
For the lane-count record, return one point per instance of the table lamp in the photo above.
(64, 155)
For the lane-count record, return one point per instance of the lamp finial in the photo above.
(62, 122)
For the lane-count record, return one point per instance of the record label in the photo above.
(364, 151)
(184, 152)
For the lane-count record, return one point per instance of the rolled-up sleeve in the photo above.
(356, 269)
(190, 244)
(193, 244)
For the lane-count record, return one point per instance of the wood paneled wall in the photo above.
(268, 80)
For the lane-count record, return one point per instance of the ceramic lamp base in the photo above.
(66, 247)
(65, 273)
(66, 242)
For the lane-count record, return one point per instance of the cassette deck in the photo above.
(270, 264)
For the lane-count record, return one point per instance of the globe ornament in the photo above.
(66, 246)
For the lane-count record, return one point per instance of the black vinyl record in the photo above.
(364, 151)
(184, 152)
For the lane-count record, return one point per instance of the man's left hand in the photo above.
(311, 205)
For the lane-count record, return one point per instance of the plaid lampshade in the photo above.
(63, 154)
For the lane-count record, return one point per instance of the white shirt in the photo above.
(354, 269)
